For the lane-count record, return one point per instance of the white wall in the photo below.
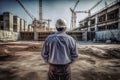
(106, 35)
(8, 36)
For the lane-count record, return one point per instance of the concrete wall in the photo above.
(106, 35)
(8, 36)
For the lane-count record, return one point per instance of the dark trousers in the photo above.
(59, 72)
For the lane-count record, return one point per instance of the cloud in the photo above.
(52, 9)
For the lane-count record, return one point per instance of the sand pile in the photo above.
(34, 48)
(4, 51)
(106, 53)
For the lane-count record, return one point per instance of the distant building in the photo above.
(30, 28)
(8, 21)
(42, 26)
(11, 26)
(103, 25)
(16, 24)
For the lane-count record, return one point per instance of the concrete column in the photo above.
(21, 25)
(25, 26)
(35, 30)
(28, 28)
(48, 25)
(89, 23)
(119, 18)
(96, 22)
(18, 26)
(89, 29)
(11, 22)
(106, 19)
(35, 36)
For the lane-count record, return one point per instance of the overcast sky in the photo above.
(52, 9)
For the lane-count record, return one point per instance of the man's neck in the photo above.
(60, 32)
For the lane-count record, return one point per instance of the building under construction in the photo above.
(11, 26)
(103, 25)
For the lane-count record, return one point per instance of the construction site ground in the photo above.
(22, 61)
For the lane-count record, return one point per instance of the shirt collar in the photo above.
(59, 32)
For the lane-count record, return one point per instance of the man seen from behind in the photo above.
(59, 51)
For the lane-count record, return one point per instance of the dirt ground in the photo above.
(22, 61)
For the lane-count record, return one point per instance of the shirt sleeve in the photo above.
(74, 51)
(45, 51)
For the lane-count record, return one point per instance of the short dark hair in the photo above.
(61, 29)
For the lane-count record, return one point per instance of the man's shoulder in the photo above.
(70, 37)
(50, 36)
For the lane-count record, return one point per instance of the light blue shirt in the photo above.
(59, 48)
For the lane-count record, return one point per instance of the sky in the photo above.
(52, 9)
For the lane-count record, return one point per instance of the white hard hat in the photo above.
(61, 23)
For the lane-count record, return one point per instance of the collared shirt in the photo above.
(59, 48)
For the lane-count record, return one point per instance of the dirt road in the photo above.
(22, 61)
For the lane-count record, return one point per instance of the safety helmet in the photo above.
(61, 23)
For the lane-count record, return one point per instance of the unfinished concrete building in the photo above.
(16, 24)
(6, 27)
(10, 26)
(44, 26)
(103, 25)
(8, 21)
